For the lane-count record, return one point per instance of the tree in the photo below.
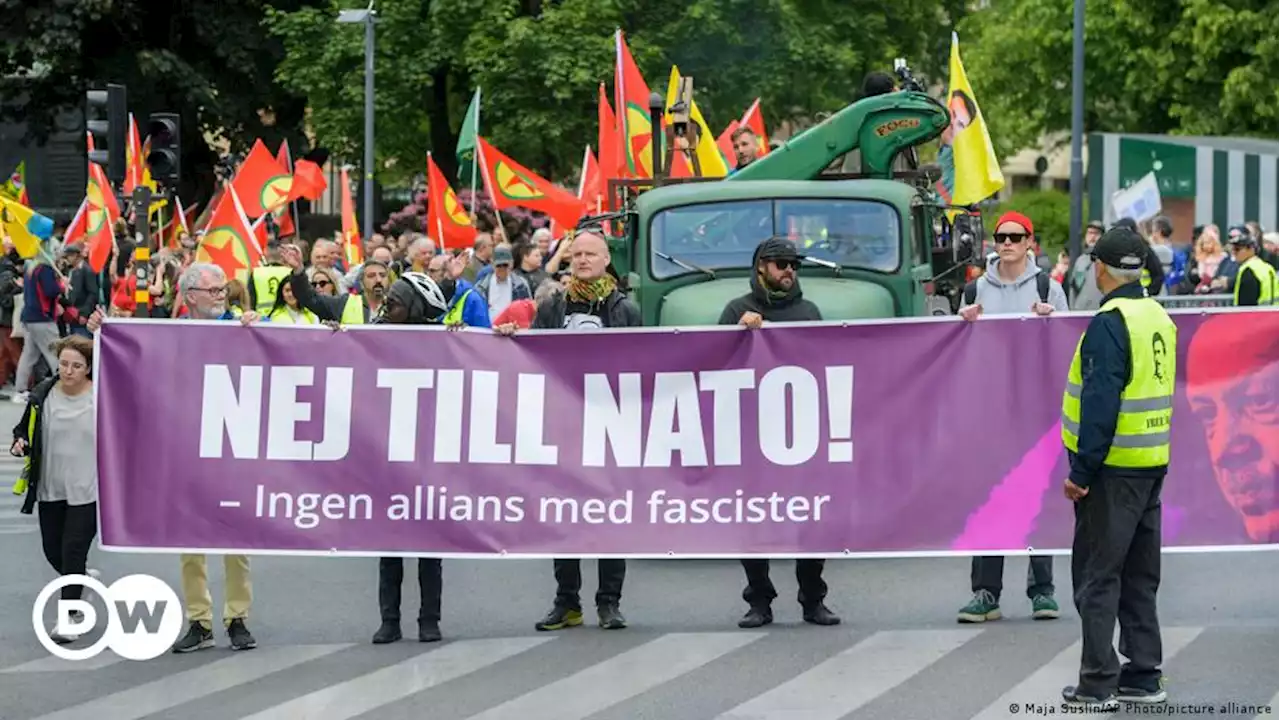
(539, 65)
(1151, 66)
(210, 60)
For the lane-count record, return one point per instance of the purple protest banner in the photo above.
(928, 437)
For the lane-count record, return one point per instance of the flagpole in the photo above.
(474, 164)
(489, 186)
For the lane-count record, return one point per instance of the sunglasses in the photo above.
(1009, 238)
(321, 284)
(786, 264)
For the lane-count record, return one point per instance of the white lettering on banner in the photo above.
(301, 508)
(622, 425)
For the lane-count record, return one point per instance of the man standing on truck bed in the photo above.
(775, 297)
(1012, 284)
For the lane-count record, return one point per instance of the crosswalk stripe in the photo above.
(1269, 712)
(56, 664)
(846, 682)
(373, 690)
(1044, 686)
(188, 685)
(620, 678)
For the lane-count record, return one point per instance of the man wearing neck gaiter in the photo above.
(590, 301)
(775, 297)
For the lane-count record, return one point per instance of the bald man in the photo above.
(1232, 385)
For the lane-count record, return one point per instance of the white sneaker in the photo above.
(94, 573)
(65, 638)
(18, 398)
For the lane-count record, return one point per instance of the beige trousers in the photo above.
(195, 589)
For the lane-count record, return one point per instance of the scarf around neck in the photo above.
(592, 291)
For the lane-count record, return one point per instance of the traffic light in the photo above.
(164, 131)
(107, 120)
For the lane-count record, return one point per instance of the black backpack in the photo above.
(1042, 287)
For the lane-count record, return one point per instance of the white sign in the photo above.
(1140, 201)
(144, 617)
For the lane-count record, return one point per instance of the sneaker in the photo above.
(559, 618)
(18, 398)
(1044, 607)
(1142, 696)
(198, 637)
(429, 632)
(1072, 696)
(611, 617)
(756, 617)
(67, 637)
(820, 615)
(981, 608)
(388, 632)
(94, 573)
(239, 635)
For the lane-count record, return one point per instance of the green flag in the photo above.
(467, 140)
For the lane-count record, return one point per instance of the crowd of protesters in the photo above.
(51, 306)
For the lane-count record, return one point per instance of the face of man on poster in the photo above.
(1233, 392)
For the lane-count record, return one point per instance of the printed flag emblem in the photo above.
(224, 247)
(455, 209)
(275, 194)
(97, 207)
(515, 184)
(639, 138)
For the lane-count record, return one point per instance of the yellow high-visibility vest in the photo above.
(266, 283)
(283, 316)
(454, 316)
(1146, 405)
(1266, 279)
(353, 312)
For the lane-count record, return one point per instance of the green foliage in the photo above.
(539, 65)
(1203, 67)
(211, 60)
(1049, 211)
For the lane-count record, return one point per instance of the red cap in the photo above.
(1019, 218)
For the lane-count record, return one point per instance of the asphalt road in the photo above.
(898, 656)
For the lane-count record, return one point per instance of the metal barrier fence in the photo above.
(1195, 301)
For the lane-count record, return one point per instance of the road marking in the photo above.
(394, 682)
(620, 678)
(56, 664)
(855, 677)
(198, 682)
(1044, 686)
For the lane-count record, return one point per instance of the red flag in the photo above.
(513, 185)
(308, 181)
(591, 187)
(229, 240)
(611, 164)
(754, 119)
(133, 158)
(284, 215)
(447, 220)
(100, 217)
(631, 98)
(351, 248)
(261, 182)
(725, 142)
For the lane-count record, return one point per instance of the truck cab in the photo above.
(877, 245)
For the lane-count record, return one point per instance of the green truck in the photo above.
(879, 246)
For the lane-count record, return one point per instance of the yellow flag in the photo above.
(711, 161)
(27, 229)
(977, 172)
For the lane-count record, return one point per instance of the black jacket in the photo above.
(1105, 367)
(326, 307)
(83, 295)
(33, 434)
(791, 308)
(1156, 270)
(614, 311)
(10, 272)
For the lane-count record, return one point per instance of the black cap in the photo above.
(777, 249)
(1126, 222)
(1121, 248)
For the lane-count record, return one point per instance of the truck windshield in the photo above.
(861, 234)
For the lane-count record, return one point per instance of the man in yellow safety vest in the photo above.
(345, 308)
(1116, 413)
(1255, 280)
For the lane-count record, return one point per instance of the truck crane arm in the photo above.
(880, 126)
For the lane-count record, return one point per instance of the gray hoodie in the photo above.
(998, 297)
(1087, 296)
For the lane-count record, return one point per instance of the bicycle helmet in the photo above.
(422, 299)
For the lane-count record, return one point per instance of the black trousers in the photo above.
(1115, 567)
(430, 583)
(987, 573)
(67, 532)
(611, 572)
(760, 591)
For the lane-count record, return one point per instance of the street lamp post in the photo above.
(368, 17)
(1077, 134)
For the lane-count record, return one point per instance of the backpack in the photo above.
(1042, 287)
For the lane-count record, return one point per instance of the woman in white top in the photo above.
(58, 436)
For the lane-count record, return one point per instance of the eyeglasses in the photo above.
(1009, 238)
(214, 291)
(786, 264)
(319, 284)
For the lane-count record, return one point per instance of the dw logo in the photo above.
(144, 617)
